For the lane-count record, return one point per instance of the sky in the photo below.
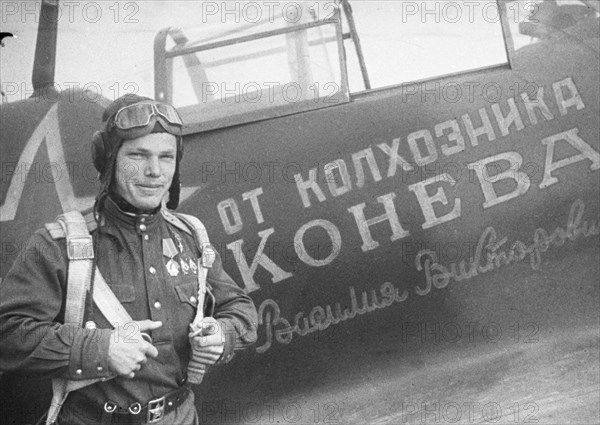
(106, 46)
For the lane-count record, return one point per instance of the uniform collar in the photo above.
(126, 207)
(140, 222)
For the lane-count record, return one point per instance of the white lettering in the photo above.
(513, 117)
(395, 159)
(235, 224)
(430, 156)
(487, 182)
(248, 271)
(334, 236)
(538, 103)
(390, 215)
(572, 138)
(311, 183)
(574, 100)
(346, 184)
(253, 197)
(426, 201)
(485, 129)
(454, 136)
(360, 175)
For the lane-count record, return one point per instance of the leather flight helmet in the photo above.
(107, 142)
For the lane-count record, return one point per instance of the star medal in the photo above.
(193, 266)
(179, 242)
(184, 266)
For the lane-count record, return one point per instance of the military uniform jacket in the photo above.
(151, 266)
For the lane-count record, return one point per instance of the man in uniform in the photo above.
(151, 264)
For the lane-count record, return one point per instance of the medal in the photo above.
(193, 266)
(179, 242)
(169, 249)
(172, 267)
(184, 266)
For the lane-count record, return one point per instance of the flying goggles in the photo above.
(139, 119)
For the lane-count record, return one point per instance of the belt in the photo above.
(150, 413)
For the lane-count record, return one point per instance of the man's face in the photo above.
(145, 169)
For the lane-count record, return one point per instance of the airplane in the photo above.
(420, 236)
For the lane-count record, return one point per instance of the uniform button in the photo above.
(157, 305)
(152, 270)
(99, 368)
(143, 219)
(143, 227)
(146, 237)
(79, 371)
(193, 299)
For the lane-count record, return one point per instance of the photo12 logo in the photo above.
(267, 11)
(66, 91)
(70, 11)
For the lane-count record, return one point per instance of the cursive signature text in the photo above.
(492, 253)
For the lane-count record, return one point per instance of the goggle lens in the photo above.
(140, 115)
(169, 113)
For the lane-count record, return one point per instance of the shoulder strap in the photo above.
(57, 231)
(173, 218)
(80, 251)
(185, 222)
(196, 369)
(197, 226)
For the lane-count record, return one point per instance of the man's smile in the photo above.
(150, 185)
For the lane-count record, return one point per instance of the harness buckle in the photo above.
(156, 410)
(80, 248)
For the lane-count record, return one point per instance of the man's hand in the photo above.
(207, 340)
(128, 350)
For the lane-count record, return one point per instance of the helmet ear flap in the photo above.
(99, 150)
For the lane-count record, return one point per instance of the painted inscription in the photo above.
(491, 253)
(430, 194)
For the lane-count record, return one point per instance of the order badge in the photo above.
(172, 267)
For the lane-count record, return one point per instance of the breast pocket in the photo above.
(124, 293)
(188, 292)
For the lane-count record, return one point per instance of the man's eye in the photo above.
(136, 155)
(168, 156)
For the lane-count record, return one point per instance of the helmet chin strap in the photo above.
(175, 188)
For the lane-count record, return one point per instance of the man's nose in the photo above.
(153, 167)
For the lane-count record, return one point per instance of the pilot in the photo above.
(151, 262)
